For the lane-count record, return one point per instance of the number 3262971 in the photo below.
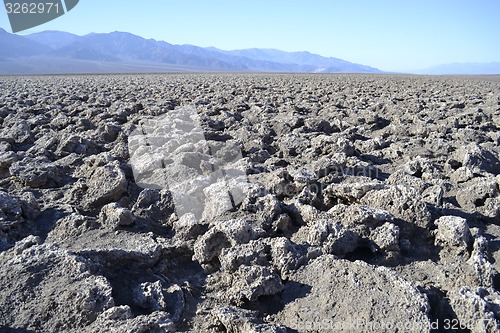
(32, 8)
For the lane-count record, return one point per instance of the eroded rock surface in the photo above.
(343, 296)
(46, 288)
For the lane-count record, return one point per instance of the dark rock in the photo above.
(10, 211)
(106, 184)
(36, 172)
(326, 280)
(120, 319)
(386, 237)
(476, 309)
(473, 194)
(234, 319)
(223, 234)
(155, 296)
(477, 159)
(113, 216)
(46, 289)
(29, 206)
(7, 158)
(247, 283)
(72, 143)
(453, 232)
(331, 237)
(156, 206)
(17, 132)
(403, 202)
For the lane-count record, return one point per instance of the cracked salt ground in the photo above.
(249, 203)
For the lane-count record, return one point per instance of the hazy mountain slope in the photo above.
(62, 52)
(246, 62)
(304, 58)
(14, 46)
(51, 65)
(53, 39)
(81, 53)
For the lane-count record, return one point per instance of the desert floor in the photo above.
(249, 203)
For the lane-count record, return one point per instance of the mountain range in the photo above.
(56, 52)
(463, 69)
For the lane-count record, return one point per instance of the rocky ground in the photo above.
(364, 204)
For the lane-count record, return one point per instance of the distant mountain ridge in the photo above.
(56, 52)
(323, 64)
(463, 68)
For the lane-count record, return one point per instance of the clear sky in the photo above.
(392, 35)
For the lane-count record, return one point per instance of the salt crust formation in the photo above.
(366, 204)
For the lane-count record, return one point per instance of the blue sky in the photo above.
(390, 35)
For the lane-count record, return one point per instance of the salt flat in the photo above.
(249, 203)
